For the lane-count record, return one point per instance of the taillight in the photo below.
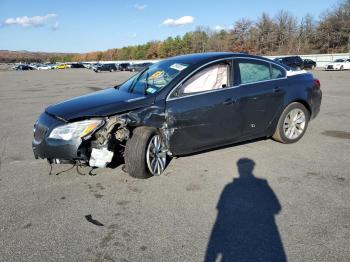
(317, 83)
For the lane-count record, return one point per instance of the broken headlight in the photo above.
(76, 130)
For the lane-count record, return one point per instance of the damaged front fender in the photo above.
(99, 148)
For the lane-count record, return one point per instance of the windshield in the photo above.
(339, 60)
(153, 78)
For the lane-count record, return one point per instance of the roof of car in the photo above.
(204, 57)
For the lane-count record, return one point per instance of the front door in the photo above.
(204, 110)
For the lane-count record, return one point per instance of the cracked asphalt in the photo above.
(256, 201)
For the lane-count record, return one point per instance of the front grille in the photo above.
(330, 67)
(39, 133)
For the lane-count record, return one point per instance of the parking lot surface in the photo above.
(284, 202)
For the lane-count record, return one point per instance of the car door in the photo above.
(262, 90)
(347, 64)
(201, 115)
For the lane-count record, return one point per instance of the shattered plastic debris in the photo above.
(100, 157)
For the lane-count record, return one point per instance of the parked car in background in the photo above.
(309, 64)
(105, 67)
(124, 67)
(87, 65)
(138, 67)
(179, 106)
(294, 62)
(42, 67)
(24, 67)
(339, 65)
(62, 66)
(77, 65)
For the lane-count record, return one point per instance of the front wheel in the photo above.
(145, 153)
(292, 124)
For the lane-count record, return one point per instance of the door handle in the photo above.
(277, 89)
(228, 101)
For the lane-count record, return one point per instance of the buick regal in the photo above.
(179, 106)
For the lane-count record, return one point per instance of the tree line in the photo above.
(283, 33)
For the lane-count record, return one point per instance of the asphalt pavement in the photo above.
(257, 201)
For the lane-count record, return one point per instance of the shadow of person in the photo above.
(245, 228)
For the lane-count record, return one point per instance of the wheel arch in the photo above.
(274, 123)
(303, 102)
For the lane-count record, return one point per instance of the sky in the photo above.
(84, 26)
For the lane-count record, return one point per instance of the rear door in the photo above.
(261, 90)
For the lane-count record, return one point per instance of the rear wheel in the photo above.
(292, 124)
(145, 153)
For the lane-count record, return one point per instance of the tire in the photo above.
(287, 131)
(136, 156)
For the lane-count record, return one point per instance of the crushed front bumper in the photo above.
(55, 149)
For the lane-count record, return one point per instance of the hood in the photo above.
(335, 63)
(102, 103)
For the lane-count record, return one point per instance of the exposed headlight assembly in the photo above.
(76, 130)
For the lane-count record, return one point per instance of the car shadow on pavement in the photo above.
(245, 227)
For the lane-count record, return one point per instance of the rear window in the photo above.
(253, 71)
(277, 72)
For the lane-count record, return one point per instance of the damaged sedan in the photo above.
(179, 106)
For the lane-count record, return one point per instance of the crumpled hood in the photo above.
(102, 103)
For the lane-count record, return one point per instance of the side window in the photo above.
(277, 72)
(253, 71)
(210, 78)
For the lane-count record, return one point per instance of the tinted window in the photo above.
(277, 72)
(253, 71)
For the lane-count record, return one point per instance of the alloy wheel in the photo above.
(156, 156)
(294, 124)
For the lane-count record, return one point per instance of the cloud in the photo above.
(133, 35)
(222, 27)
(26, 21)
(219, 27)
(185, 20)
(56, 26)
(140, 7)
